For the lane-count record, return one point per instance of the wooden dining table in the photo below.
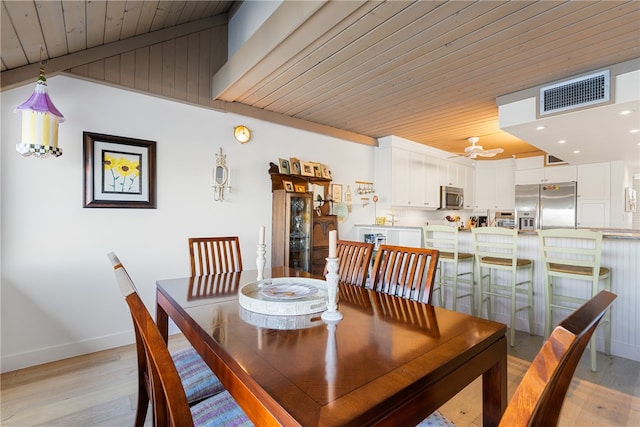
(389, 361)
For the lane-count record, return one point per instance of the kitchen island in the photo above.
(620, 252)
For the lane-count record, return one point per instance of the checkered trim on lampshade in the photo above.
(38, 150)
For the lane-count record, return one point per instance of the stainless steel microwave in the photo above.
(451, 197)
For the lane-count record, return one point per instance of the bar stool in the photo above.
(496, 250)
(574, 254)
(445, 239)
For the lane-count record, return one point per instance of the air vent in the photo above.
(575, 93)
(553, 160)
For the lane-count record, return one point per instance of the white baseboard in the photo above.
(39, 356)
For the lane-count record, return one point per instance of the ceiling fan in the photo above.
(476, 150)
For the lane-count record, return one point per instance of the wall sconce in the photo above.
(221, 178)
(347, 199)
(40, 119)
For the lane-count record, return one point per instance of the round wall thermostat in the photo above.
(242, 134)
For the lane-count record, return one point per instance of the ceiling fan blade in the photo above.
(494, 151)
(486, 154)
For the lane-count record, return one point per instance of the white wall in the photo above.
(58, 293)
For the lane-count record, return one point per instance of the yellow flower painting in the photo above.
(121, 173)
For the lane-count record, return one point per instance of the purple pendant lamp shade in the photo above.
(40, 119)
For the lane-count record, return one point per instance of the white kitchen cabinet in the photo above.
(546, 175)
(400, 176)
(452, 174)
(495, 185)
(427, 194)
(593, 213)
(594, 181)
(469, 188)
(410, 177)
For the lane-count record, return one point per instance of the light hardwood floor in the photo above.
(99, 389)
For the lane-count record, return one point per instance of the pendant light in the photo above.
(40, 119)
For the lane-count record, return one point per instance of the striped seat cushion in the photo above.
(198, 380)
(436, 419)
(219, 411)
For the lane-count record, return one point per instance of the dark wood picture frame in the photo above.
(119, 172)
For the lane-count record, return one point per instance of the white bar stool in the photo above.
(444, 238)
(496, 249)
(574, 254)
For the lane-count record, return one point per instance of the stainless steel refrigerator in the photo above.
(546, 206)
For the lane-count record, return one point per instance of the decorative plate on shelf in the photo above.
(341, 211)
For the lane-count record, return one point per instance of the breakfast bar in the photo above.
(620, 253)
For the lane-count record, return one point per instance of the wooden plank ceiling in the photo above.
(427, 71)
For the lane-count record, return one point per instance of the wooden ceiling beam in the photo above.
(28, 73)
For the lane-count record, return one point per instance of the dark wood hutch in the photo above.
(300, 225)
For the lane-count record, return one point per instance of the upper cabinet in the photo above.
(407, 177)
(594, 181)
(531, 170)
(494, 183)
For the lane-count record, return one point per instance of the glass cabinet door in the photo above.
(300, 207)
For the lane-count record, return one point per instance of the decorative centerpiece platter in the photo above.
(284, 296)
(268, 321)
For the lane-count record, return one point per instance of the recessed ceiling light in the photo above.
(562, 141)
(576, 151)
(539, 127)
(634, 130)
(625, 112)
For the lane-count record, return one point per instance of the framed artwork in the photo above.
(307, 169)
(288, 185)
(295, 166)
(326, 173)
(336, 193)
(284, 166)
(300, 188)
(119, 172)
(317, 170)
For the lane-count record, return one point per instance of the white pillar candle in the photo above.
(333, 244)
(261, 235)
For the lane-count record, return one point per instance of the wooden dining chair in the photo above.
(408, 272)
(539, 397)
(212, 255)
(354, 260)
(165, 386)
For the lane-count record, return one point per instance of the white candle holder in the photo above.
(332, 276)
(260, 260)
(330, 359)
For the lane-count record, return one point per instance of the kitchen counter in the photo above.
(620, 252)
(607, 233)
(390, 227)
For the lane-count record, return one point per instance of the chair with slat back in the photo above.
(405, 271)
(573, 255)
(213, 255)
(498, 263)
(354, 260)
(445, 239)
(539, 397)
(169, 399)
